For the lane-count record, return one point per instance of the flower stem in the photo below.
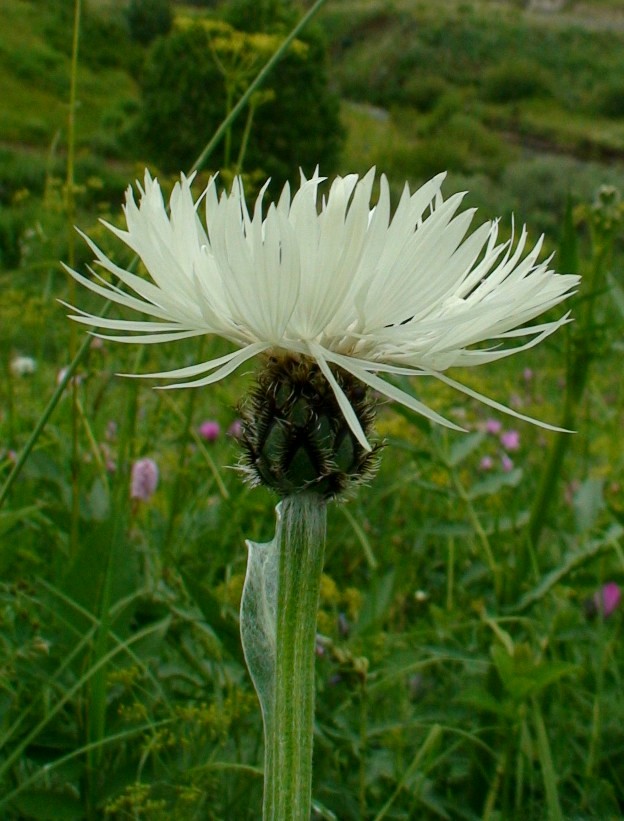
(288, 733)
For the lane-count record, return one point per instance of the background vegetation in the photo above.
(469, 662)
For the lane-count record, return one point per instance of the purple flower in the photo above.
(510, 440)
(607, 599)
(493, 426)
(209, 430)
(527, 374)
(506, 463)
(144, 479)
(487, 463)
(236, 429)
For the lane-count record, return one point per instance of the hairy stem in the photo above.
(288, 736)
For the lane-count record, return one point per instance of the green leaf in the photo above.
(463, 447)
(571, 561)
(376, 603)
(493, 484)
(98, 501)
(225, 630)
(10, 518)
(588, 502)
(546, 763)
(258, 619)
(568, 260)
(616, 293)
(45, 805)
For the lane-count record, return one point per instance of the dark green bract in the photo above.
(295, 435)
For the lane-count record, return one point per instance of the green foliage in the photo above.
(514, 80)
(381, 54)
(149, 19)
(456, 676)
(196, 74)
(609, 99)
(425, 92)
(445, 677)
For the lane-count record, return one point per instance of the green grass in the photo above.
(34, 78)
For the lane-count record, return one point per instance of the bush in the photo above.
(149, 19)
(11, 229)
(185, 90)
(424, 93)
(515, 80)
(609, 99)
(20, 170)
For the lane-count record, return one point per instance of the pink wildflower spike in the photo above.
(144, 479)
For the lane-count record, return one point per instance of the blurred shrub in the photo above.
(20, 170)
(149, 19)
(193, 75)
(116, 136)
(11, 229)
(515, 79)
(104, 38)
(609, 99)
(424, 92)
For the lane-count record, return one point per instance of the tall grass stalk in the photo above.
(582, 350)
(96, 704)
(70, 210)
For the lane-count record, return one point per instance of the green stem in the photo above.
(70, 202)
(289, 731)
(256, 83)
(245, 138)
(580, 355)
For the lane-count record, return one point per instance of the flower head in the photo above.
(493, 426)
(606, 600)
(209, 430)
(343, 285)
(144, 479)
(510, 440)
(23, 365)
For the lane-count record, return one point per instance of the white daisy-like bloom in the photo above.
(340, 282)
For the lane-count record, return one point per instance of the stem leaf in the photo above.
(258, 623)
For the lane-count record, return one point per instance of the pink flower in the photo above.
(144, 479)
(506, 463)
(607, 599)
(76, 378)
(236, 429)
(527, 374)
(209, 430)
(493, 426)
(487, 463)
(510, 440)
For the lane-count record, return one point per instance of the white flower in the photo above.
(23, 365)
(344, 284)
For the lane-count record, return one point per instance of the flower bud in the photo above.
(295, 435)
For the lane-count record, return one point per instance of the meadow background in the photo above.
(470, 656)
